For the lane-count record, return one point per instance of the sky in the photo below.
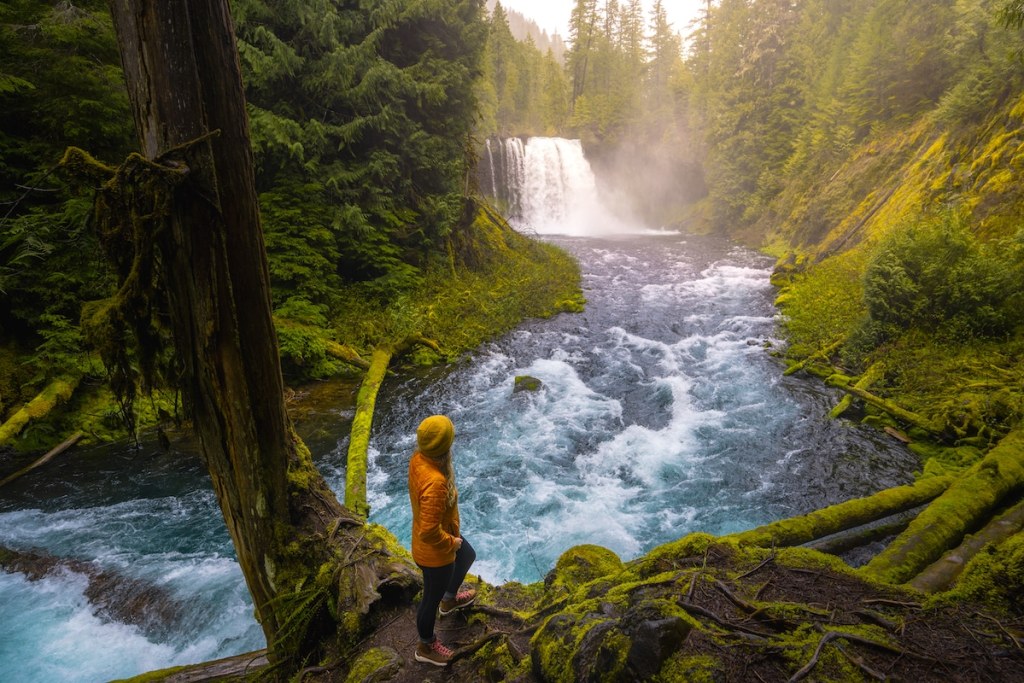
(553, 15)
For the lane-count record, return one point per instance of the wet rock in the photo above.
(115, 597)
(526, 383)
(654, 637)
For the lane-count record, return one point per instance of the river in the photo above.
(662, 411)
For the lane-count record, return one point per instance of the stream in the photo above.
(663, 410)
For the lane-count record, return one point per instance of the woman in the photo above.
(437, 547)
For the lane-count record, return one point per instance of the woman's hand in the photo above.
(458, 542)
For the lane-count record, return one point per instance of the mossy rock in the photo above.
(604, 646)
(375, 666)
(580, 565)
(526, 383)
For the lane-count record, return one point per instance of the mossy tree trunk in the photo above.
(184, 82)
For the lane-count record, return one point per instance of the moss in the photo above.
(949, 518)
(376, 664)
(689, 668)
(580, 565)
(846, 515)
(154, 676)
(994, 577)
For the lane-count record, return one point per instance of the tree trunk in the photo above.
(359, 437)
(941, 574)
(184, 82)
(852, 513)
(964, 507)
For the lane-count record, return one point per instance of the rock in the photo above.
(527, 383)
(592, 647)
(580, 565)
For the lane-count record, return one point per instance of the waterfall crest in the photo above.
(546, 185)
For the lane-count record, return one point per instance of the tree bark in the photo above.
(184, 82)
(942, 573)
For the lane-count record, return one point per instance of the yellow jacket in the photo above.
(435, 525)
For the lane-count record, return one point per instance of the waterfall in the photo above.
(546, 185)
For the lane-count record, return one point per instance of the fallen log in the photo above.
(820, 353)
(861, 536)
(68, 443)
(888, 406)
(347, 354)
(944, 572)
(965, 506)
(366, 400)
(844, 516)
(870, 376)
(56, 392)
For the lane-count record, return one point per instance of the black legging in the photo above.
(436, 582)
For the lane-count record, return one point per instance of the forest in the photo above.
(873, 148)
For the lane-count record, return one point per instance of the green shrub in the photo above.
(937, 277)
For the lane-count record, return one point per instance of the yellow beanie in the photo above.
(435, 435)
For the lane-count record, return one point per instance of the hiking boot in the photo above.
(462, 599)
(434, 653)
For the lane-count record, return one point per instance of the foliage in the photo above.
(936, 277)
(60, 84)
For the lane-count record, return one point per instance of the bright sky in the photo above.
(553, 15)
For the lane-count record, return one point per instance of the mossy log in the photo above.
(964, 507)
(366, 400)
(844, 516)
(870, 376)
(56, 392)
(886, 405)
(823, 353)
(844, 541)
(346, 354)
(942, 573)
(53, 453)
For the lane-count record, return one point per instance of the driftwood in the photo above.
(68, 443)
(964, 507)
(56, 392)
(870, 376)
(886, 405)
(366, 400)
(942, 573)
(844, 516)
